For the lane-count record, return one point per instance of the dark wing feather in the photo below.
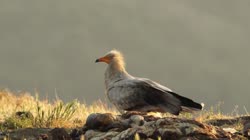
(186, 103)
(145, 97)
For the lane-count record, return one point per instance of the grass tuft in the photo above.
(53, 117)
(45, 114)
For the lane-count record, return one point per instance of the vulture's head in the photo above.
(113, 56)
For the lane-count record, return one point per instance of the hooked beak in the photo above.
(102, 59)
(97, 60)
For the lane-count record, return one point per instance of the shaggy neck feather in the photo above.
(115, 71)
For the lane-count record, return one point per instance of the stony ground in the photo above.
(23, 116)
(140, 126)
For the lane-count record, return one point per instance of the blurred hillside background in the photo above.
(200, 49)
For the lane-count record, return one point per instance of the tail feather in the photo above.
(188, 104)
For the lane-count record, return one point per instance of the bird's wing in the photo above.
(187, 104)
(144, 95)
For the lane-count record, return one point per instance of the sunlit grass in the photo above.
(45, 113)
(72, 114)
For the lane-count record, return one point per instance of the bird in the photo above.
(128, 93)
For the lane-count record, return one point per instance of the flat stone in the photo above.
(100, 121)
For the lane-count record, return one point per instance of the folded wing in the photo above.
(145, 95)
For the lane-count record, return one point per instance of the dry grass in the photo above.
(68, 115)
(45, 113)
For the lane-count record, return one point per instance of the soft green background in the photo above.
(198, 48)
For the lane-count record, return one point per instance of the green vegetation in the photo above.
(60, 113)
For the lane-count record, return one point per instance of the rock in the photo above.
(187, 128)
(91, 133)
(220, 122)
(131, 113)
(137, 120)
(3, 136)
(59, 134)
(43, 137)
(188, 138)
(28, 133)
(106, 136)
(100, 121)
(134, 125)
(125, 122)
(149, 139)
(147, 132)
(162, 122)
(150, 124)
(246, 129)
(230, 130)
(244, 118)
(230, 121)
(76, 134)
(119, 126)
(126, 135)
